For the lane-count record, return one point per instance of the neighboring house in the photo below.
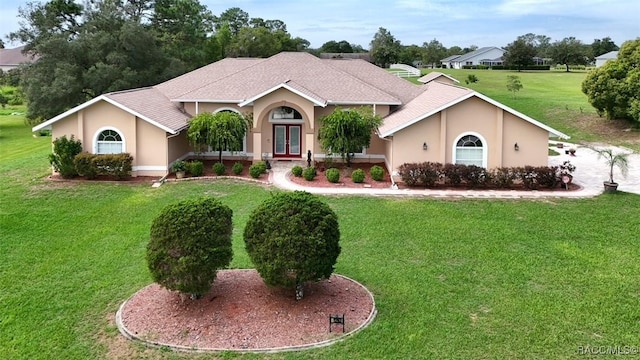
(11, 58)
(439, 77)
(488, 56)
(602, 59)
(287, 95)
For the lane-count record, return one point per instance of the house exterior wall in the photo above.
(152, 150)
(178, 147)
(499, 129)
(475, 60)
(444, 80)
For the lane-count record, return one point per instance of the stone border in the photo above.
(130, 336)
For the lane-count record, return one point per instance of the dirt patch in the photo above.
(242, 313)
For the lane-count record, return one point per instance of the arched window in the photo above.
(109, 141)
(470, 150)
(285, 112)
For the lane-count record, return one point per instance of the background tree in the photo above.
(292, 238)
(614, 88)
(346, 132)
(222, 131)
(190, 240)
(1, 44)
(235, 17)
(454, 50)
(569, 51)
(519, 53)
(470, 49)
(333, 46)
(513, 84)
(410, 54)
(384, 48)
(434, 51)
(602, 46)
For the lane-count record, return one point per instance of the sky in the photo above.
(454, 23)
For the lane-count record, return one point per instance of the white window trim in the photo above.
(104, 128)
(277, 120)
(485, 147)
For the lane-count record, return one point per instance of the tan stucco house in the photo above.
(287, 95)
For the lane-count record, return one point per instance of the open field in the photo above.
(556, 99)
(452, 279)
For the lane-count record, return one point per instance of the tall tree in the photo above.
(569, 51)
(519, 53)
(333, 46)
(410, 54)
(434, 51)
(454, 50)
(602, 46)
(346, 132)
(235, 17)
(384, 48)
(614, 88)
(540, 43)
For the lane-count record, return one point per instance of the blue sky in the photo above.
(462, 22)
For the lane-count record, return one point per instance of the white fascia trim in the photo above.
(110, 101)
(331, 102)
(425, 115)
(551, 130)
(207, 101)
(149, 168)
(280, 86)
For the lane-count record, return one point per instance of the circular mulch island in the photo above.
(241, 313)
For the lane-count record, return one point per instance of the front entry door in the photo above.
(287, 140)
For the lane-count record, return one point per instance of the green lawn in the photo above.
(554, 98)
(466, 279)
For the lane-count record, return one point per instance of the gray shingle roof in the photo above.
(477, 52)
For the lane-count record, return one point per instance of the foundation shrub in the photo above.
(358, 176)
(297, 171)
(453, 173)
(420, 174)
(195, 168)
(62, 159)
(333, 175)
(237, 168)
(377, 173)
(504, 177)
(219, 169)
(309, 173)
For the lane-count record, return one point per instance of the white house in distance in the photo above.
(11, 58)
(602, 59)
(488, 56)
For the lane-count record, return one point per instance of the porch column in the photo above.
(257, 146)
(310, 145)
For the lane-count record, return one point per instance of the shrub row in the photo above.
(333, 174)
(430, 174)
(92, 165)
(507, 67)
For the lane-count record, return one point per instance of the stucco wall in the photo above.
(151, 149)
(532, 141)
(407, 143)
(178, 146)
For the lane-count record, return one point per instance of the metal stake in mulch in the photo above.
(336, 319)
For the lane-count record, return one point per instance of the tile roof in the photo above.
(434, 75)
(435, 97)
(153, 106)
(337, 81)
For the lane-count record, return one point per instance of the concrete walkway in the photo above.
(589, 174)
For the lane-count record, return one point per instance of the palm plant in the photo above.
(619, 160)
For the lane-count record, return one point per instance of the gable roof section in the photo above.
(450, 58)
(608, 56)
(294, 88)
(433, 76)
(477, 52)
(316, 76)
(438, 97)
(147, 104)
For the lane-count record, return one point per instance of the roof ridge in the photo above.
(357, 78)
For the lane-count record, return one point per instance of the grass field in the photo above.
(452, 279)
(554, 98)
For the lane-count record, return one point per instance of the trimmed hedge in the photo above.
(219, 169)
(309, 173)
(297, 171)
(333, 175)
(358, 176)
(93, 165)
(377, 173)
(507, 67)
(429, 175)
(195, 168)
(237, 168)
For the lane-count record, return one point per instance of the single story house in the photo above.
(488, 56)
(438, 76)
(602, 59)
(287, 95)
(12, 58)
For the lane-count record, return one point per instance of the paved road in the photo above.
(590, 173)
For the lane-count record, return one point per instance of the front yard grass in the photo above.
(452, 278)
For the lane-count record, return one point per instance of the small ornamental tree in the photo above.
(190, 241)
(346, 132)
(513, 84)
(292, 238)
(64, 152)
(222, 131)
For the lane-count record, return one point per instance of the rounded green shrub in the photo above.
(291, 238)
(262, 166)
(190, 240)
(195, 168)
(309, 173)
(377, 173)
(219, 169)
(333, 175)
(297, 171)
(237, 168)
(64, 152)
(358, 176)
(256, 170)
